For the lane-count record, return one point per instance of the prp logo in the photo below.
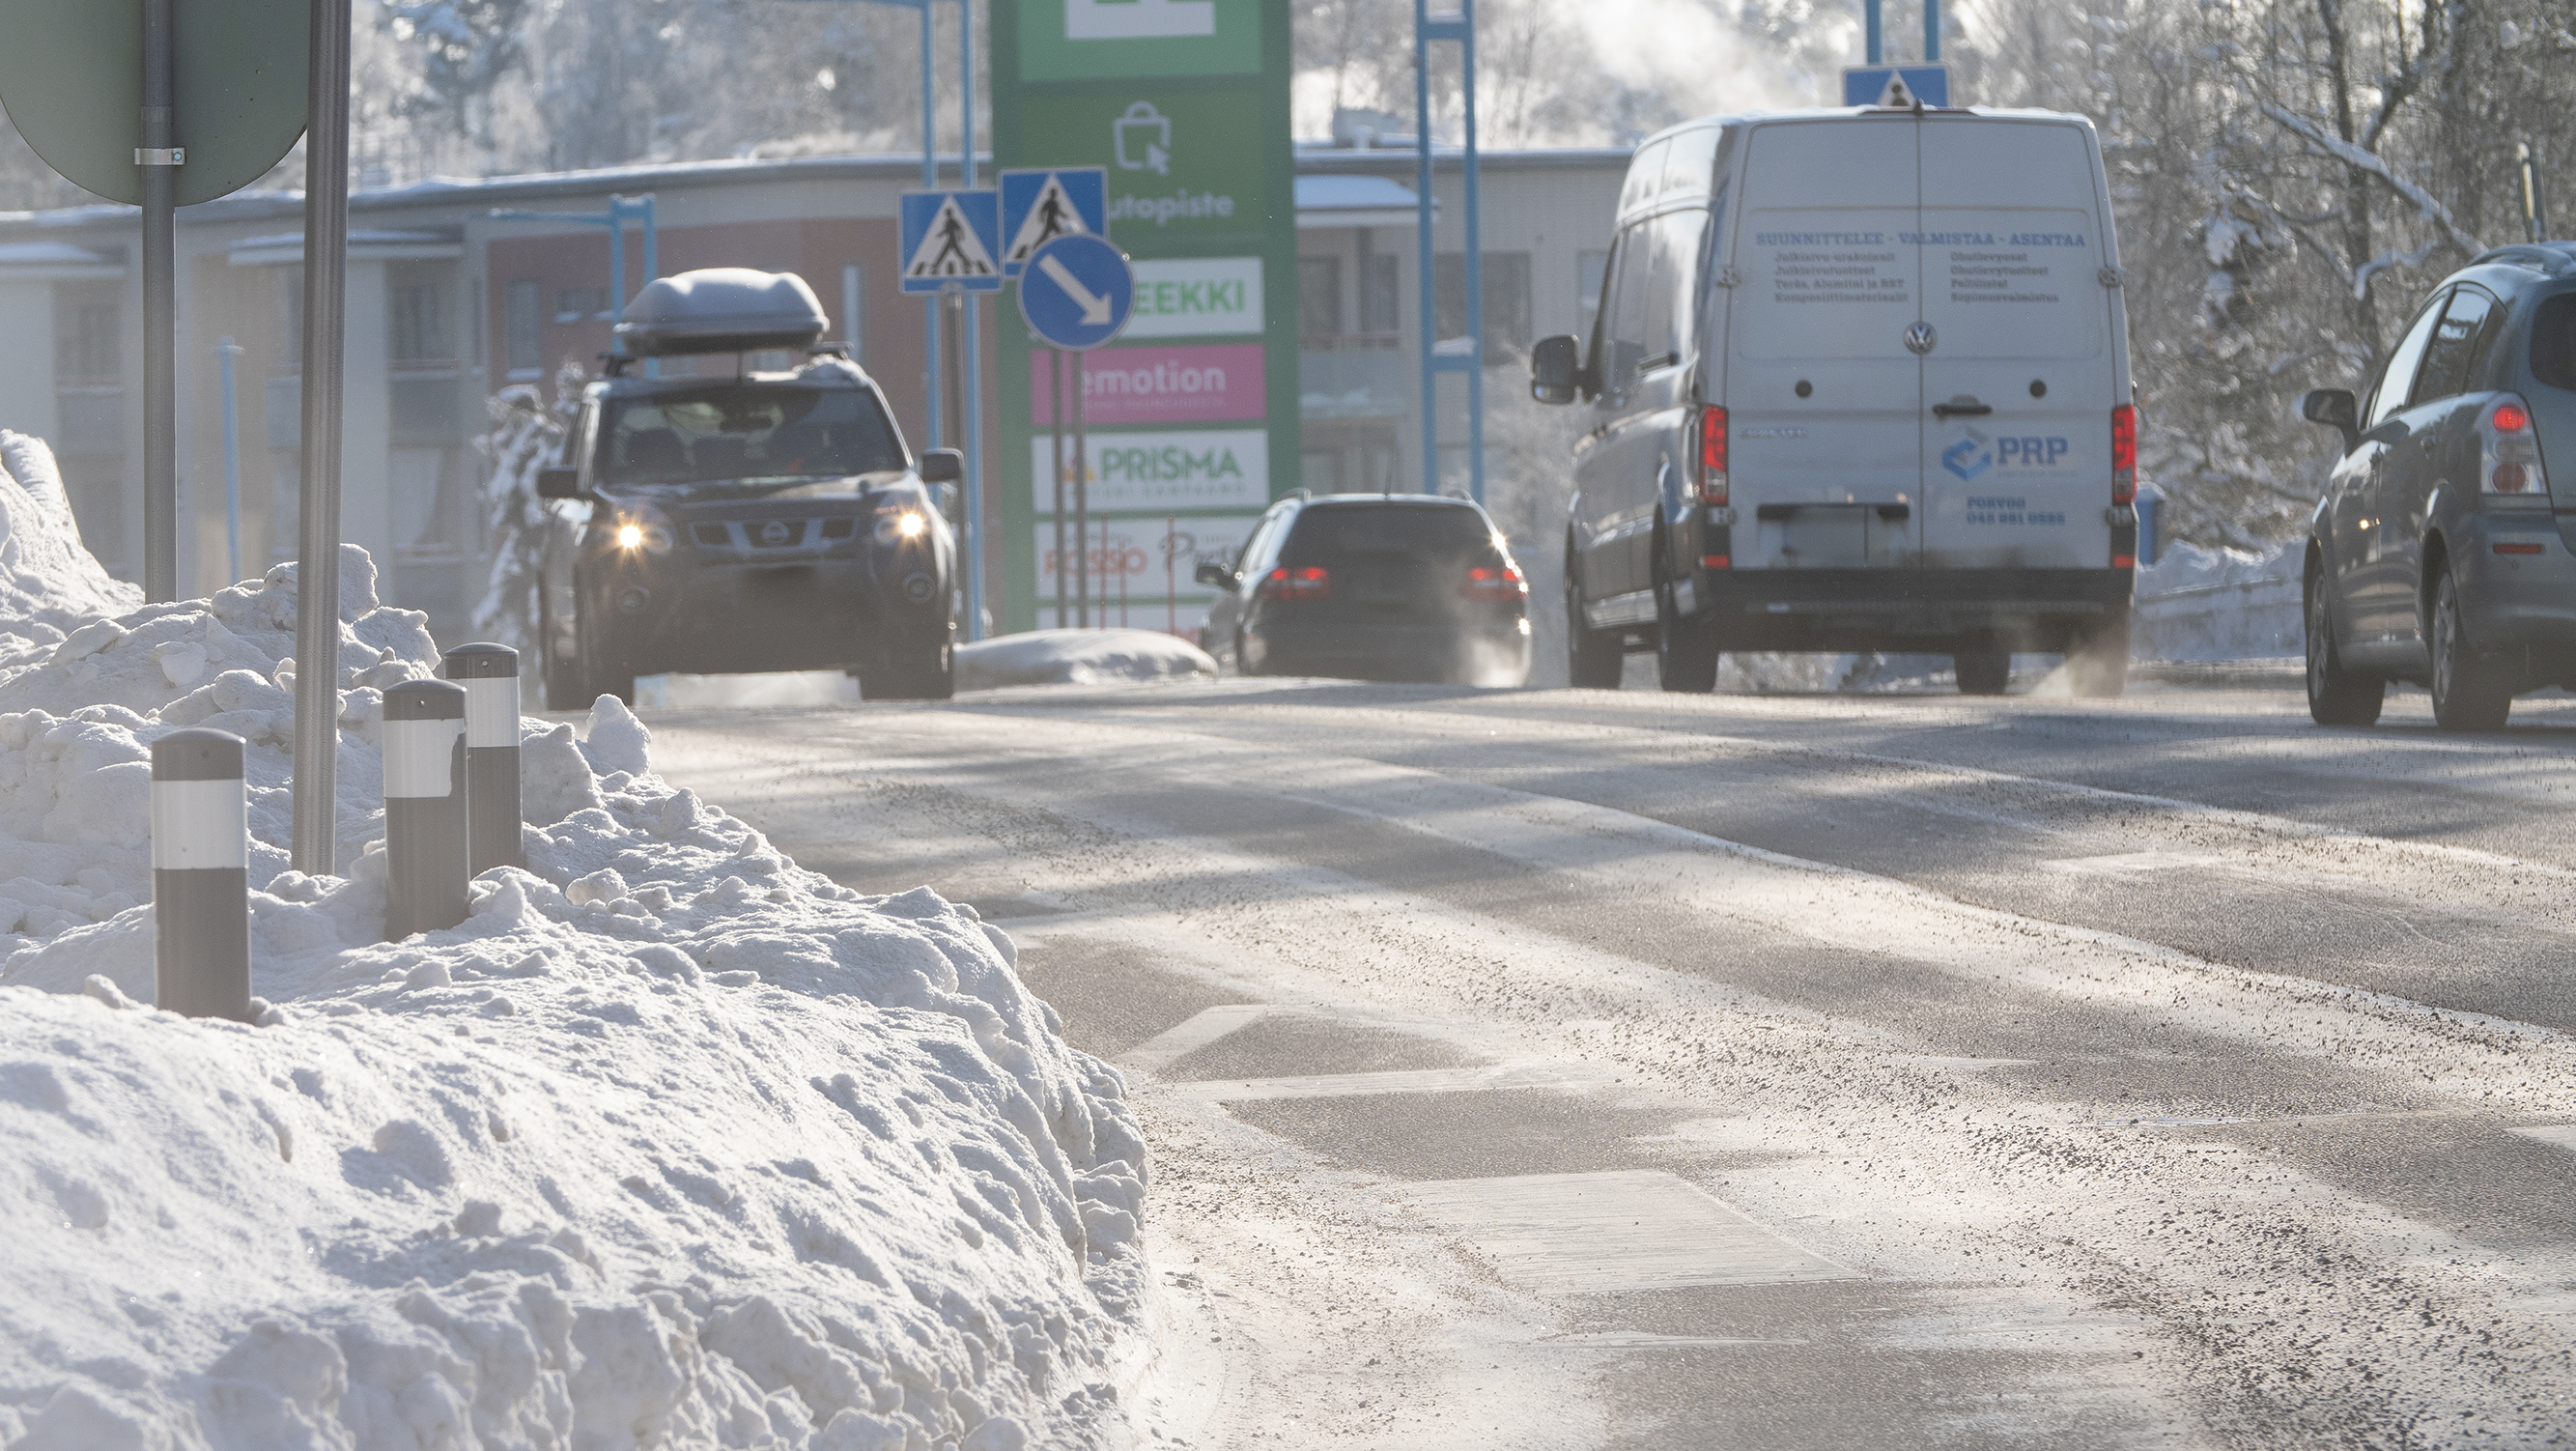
(1970, 456)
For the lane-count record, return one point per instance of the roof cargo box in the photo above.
(721, 310)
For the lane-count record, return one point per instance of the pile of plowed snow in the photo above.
(1078, 657)
(671, 1142)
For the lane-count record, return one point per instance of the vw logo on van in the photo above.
(1921, 339)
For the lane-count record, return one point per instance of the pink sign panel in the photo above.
(1159, 385)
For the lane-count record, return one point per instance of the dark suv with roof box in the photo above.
(727, 520)
(2441, 550)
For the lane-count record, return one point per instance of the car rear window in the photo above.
(1326, 532)
(745, 432)
(2553, 341)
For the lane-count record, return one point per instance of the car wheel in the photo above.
(601, 667)
(2337, 696)
(2097, 664)
(2470, 691)
(1594, 658)
(1685, 649)
(913, 672)
(1982, 672)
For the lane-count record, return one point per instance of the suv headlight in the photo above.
(641, 529)
(902, 523)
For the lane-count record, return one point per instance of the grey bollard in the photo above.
(490, 675)
(425, 848)
(200, 876)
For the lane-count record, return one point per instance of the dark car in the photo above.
(2437, 554)
(749, 522)
(1373, 587)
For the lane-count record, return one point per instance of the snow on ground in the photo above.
(671, 1142)
(1078, 657)
(2219, 604)
(778, 688)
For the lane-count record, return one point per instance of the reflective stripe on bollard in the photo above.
(200, 875)
(426, 857)
(490, 675)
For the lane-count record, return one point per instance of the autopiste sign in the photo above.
(1180, 107)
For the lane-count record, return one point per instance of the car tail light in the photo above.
(2510, 451)
(2124, 454)
(1496, 582)
(1708, 455)
(1309, 583)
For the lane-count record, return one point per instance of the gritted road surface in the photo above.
(1582, 1069)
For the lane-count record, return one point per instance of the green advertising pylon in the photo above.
(1192, 415)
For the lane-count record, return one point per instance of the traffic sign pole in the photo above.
(1081, 503)
(1055, 422)
(156, 162)
(317, 547)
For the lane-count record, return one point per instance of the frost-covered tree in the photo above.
(526, 435)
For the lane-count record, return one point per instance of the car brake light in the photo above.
(2124, 454)
(1708, 482)
(1488, 582)
(1309, 583)
(2510, 451)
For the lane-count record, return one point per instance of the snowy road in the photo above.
(1557, 1069)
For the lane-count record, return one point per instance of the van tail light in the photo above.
(2124, 454)
(1707, 443)
(1309, 583)
(1496, 582)
(2510, 451)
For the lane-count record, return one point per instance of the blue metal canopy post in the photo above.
(1459, 26)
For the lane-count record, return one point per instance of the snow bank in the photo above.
(671, 1142)
(1078, 657)
(2219, 604)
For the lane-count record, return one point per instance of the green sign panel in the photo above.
(1184, 104)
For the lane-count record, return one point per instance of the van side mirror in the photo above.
(1556, 369)
(1214, 575)
(2334, 408)
(558, 483)
(942, 465)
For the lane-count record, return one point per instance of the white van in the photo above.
(1859, 381)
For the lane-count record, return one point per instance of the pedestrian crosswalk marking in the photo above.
(950, 247)
(1051, 215)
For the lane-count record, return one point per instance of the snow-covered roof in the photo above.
(420, 245)
(1355, 201)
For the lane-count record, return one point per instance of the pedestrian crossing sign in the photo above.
(951, 239)
(1043, 203)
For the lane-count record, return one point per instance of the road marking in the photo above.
(1641, 1340)
(2563, 1135)
(1199, 1030)
(2129, 863)
(1415, 1080)
(1630, 1229)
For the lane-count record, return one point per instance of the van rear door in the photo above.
(2020, 381)
(1825, 287)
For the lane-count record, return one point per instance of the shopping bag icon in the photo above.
(1144, 137)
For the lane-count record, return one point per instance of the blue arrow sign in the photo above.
(951, 239)
(1042, 204)
(1897, 86)
(1076, 292)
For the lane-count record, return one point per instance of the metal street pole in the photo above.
(1055, 421)
(1875, 42)
(974, 430)
(157, 160)
(317, 570)
(1081, 496)
(930, 182)
(1931, 31)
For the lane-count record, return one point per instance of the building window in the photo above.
(1319, 300)
(1507, 302)
(578, 304)
(522, 342)
(422, 336)
(290, 281)
(89, 334)
(1378, 294)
